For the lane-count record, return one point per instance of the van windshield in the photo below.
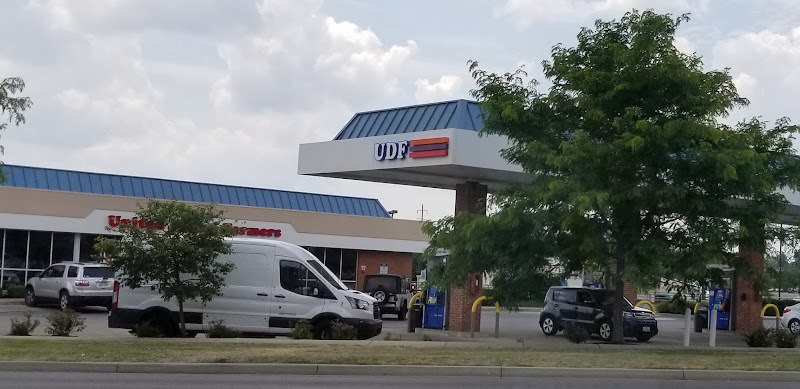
(326, 273)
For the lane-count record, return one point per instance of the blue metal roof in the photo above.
(142, 187)
(460, 114)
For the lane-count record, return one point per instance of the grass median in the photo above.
(160, 351)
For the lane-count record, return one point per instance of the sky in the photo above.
(225, 91)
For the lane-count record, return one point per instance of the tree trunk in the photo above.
(619, 297)
(181, 318)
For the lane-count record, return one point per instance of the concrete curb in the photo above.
(400, 370)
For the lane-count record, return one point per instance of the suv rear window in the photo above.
(98, 272)
(387, 283)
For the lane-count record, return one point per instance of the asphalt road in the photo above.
(515, 327)
(37, 380)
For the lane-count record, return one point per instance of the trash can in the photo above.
(701, 319)
(415, 317)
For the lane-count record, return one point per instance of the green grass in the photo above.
(145, 350)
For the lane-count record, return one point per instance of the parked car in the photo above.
(391, 291)
(592, 309)
(791, 318)
(72, 284)
(273, 286)
(661, 297)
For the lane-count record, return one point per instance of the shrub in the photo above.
(390, 337)
(16, 291)
(576, 333)
(63, 323)
(784, 338)
(302, 330)
(23, 328)
(147, 330)
(761, 337)
(664, 307)
(218, 329)
(343, 331)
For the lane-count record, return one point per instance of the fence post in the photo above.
(686, 324)
(496, 319)
(712, 325)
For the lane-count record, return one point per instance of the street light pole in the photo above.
(780, 261)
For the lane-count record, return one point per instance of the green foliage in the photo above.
(302, 330)
(389, 337)
(676, 306)
(15, 291)
(147, 330)
(576, 333)
(64, 323)
(178, 257)
(23, 327)
(218, 329)
(630, 167)
(784, 338)
(11, 108)
(761, 337)
(343, 331)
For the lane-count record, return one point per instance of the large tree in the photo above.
(631, 168)
(11, 108)
(173, 246)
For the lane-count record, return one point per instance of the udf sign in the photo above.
(391, 150)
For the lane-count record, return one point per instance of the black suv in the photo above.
(591, 308)
(392, 292)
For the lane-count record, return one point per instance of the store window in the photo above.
(349, 265)
(333, 260)
(318, 252)
(39, 249)
(15, 250)
(87, 251)
(63, 247)
(13, 277)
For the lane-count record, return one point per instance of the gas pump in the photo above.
(720, 299)
(435, 308)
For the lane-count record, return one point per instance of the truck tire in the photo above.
(401, 314)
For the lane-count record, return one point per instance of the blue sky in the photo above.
(224, 91)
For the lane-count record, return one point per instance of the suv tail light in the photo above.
(115, 298)
(787, 310)
(81, 283)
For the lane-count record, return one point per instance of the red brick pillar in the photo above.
(629, 291)
(470, 197)
(747, 300)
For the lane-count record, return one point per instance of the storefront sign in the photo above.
(115, 221)
(417, 148)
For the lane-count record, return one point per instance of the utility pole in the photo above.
(780, 261)
(422, 213)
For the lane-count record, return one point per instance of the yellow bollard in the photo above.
(777, 314)
(472, 316)
(649, 304)
(698, 305)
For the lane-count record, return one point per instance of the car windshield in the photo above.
(98, 272)
(387, 283)
(606, 297)
(326, 273)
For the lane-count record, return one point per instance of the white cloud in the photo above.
(684, 45)
(447, 87)
(745, 84)
(526, 13)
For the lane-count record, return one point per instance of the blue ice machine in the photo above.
(435, 302)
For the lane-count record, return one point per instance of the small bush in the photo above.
(63, 323)
(302, 330)
(218, 329)
(343, 331)
(664, 307)
(576, 333)
(23, 328)
(784, 338)
(16, 291)
(147, 330)
(761, 337)
(391, 338)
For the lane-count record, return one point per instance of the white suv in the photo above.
(72, 284)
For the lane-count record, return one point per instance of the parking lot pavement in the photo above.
(515, 328)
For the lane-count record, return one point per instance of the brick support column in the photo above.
(470, 197)
(747, 300)
(630, 293)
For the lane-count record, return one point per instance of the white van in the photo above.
(273, 286)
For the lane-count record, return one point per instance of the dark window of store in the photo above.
(39, 250)
(318, 252)
(16, 249)
(63, 247)
(333, 260)
(13, 277)
(88, 253)
(349, 264)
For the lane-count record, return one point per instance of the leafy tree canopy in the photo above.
(631, 168)
(173, 246)
(11, 108)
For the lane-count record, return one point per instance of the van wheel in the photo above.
(63, 300)
(322, 330)
(30, 297)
